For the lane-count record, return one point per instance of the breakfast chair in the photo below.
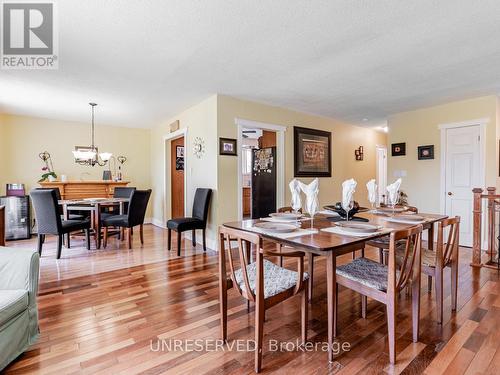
(49, 220)
(262, 282)
(383, 282)
(382, 243)
(197, 221)
(445, 255)
(135, 216)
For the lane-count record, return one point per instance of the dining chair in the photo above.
(198, 220)
(118, 192)
(49, 220)
(262, 282)
(134, 217)
(382, 243)
(384, 282)
(445, 255)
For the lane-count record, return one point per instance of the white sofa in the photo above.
(19, 269)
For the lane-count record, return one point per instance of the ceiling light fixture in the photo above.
(89, 155)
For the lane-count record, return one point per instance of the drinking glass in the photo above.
(348, 209)
(393, 200)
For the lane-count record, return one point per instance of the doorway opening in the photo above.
(381, 173)
(175, 176)
(261, 168)
(259, 179)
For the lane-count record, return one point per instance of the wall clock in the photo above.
(198, 147)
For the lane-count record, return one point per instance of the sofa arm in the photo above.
(19, 269)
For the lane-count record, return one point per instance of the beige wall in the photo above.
(420, 127)
(23, 138)
(200, 121)
(345, 139)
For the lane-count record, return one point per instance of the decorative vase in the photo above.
(51, 178)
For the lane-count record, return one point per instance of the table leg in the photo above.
(98, 225)
(330, 296)
(430, 237)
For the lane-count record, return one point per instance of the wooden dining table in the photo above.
(94, 206)
(332, 245)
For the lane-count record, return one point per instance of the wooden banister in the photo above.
(492, 201)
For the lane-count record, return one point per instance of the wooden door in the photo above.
(177, 176)
(462, 158)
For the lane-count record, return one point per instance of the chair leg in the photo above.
(364, 303)
(439, 294)
(381, 255)
(169, 239)
(87, 238)
(141, 233)
(122, 233)
(105, 239)
(454, 284)
(40, 243)
(179, 243)
(278, 250)
(391, 330)
(310, 270)
(386, 257)
(204, 240)
(129, 237)
(59, 245)
(429, 283)
(336, 310)
(259, 333)
(193, 238)
(43, 238)
(304, 313)
(68, 241)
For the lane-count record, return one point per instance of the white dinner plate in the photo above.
(276, 227)
(413, 217)
(286, 215)
(358, 227)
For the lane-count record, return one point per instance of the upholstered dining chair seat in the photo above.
(182, 224)
(115, 220)
(72, 225)
(366, 272)
(276, 279)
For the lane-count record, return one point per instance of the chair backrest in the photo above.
(58, 197)
(411, 262)
(46, 211)
(123, 191)
(449, 248)
(228, 235)
(137, 207)
(201, 203)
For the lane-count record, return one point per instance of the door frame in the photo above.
(167, 172)
(380, 147)
(482, 123)
(280, 156)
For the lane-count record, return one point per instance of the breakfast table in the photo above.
(94, 205)
(326, 239)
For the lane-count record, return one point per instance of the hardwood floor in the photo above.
(109, 322)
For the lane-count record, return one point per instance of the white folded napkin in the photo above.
(295, 190)
(372, 191)
(393, 190)
(311, 191)
(348, 189)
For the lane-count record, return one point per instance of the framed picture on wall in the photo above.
(179, 158)
(426, 152)
(312, 152)
(227, 146)
(398, 149)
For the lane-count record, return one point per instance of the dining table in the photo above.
(317, 241)
(94, 206)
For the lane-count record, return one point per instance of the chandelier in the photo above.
(89, 155)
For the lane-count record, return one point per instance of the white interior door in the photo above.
(462, 174)
(381, 172)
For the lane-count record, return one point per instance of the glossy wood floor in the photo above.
(109, 322)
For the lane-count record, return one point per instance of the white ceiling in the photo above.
(145, 61)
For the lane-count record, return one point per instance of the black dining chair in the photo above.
(49, 220)
(71, 216)
(118, 192)
(135, 216)
(197, 221)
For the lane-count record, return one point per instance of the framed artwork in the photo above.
(398, 149)
(227, 146)
(312, 152)
(426, 152)
(179, 158)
